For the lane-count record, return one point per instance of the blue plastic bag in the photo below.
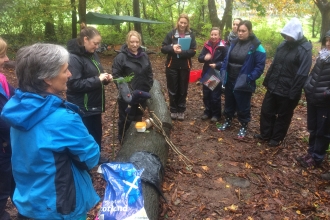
(123, 198)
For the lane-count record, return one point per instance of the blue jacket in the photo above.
(52, 152)
(252, 68)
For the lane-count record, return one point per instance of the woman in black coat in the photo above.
(317, 91)
(212, 55)
(7, 183)
(178, 65)
(131, 60)
(86, 85)
(284, 81)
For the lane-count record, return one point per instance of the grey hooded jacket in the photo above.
(292, 62)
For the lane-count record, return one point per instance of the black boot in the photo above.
(242, 131)
(226, 124)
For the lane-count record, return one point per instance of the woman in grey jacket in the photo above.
(284, 82)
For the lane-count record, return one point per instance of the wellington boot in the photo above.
(242, 131)
(225, 125)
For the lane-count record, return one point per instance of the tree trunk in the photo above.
(325, 25)
(82, 11)
(227, 18)
(314, 18)
(152, 142)
(117, 8)
(324, 7)
(50, 35)
(215, 21)
(74, 19)
(146, 17)
(136, 13)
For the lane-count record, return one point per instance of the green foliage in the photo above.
(260, 87)
(269, 35)
(125, 79)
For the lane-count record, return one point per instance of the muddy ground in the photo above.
(231, 178)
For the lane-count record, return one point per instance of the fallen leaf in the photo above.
(167, 187)
(278, 201)
(174, 195)
(233, 163)
(202, 207)
(220, 180)
(205, 168)
(232, 208)
(304, 173)
(219, 139)
(298, 212)
(199, 175)
(271, 164)
(192, 123)
(228, 186)
(248, 166)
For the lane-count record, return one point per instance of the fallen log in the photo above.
(153, 142)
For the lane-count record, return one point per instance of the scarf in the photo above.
(4, 84)
(324, 55)
(232, 36)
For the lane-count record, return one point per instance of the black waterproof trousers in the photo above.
(177, 86)
(318, 125)
(212, 101)
(93, 124)
(7, 183)
(125, 119)
(276, 115)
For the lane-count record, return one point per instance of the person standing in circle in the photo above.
(86, 85)
(212, 55)
(52, 151)
(244, 64)
(284, 81)
(178, 65)
(317, 91)
(233, 34)
(132, 60)
(7, 183)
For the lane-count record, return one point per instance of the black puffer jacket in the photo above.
(184, 59)
(126, 63)
(317, 87)
(85, 89)
(288, 72)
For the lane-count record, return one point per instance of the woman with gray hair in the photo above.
(50, 162)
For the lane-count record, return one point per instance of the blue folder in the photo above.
(184, 43)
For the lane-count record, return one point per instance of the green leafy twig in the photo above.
(125, 79)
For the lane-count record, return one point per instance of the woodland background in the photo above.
(25, 22)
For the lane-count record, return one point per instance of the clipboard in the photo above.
(184, 43)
